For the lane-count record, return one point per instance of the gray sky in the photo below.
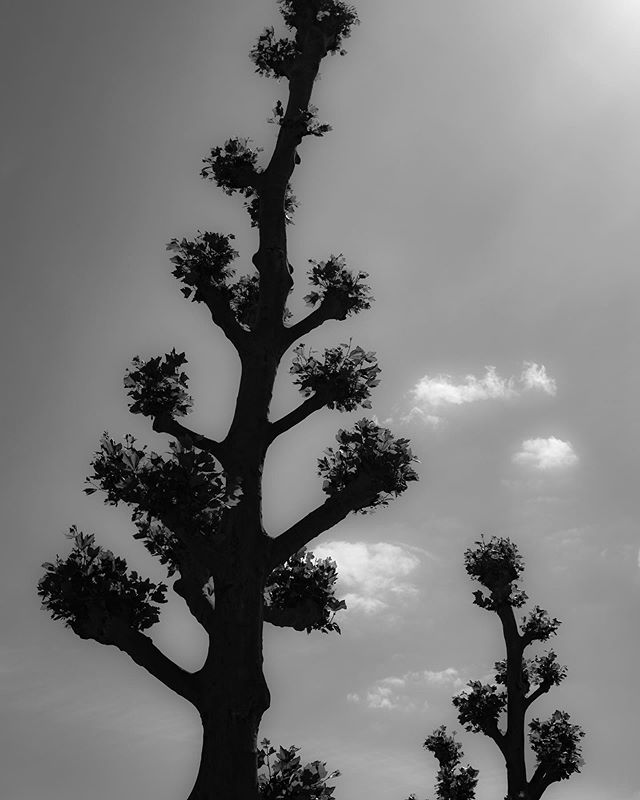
(483, 169)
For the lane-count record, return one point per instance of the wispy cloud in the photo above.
(401, 693)
(546, 454)
(374, 576)
(433, 394)
(534, 376)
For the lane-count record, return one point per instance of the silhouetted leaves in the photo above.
(556, 743)
(480, 706)
(233, 166)
(284, 777)
(203, 263)
(273, 57)
(186, 489)
(372, 451)
(453, 782)
(332, 19)
(345, 375)
(497, 565)
(91, 586)
(304, 579)
(157, 386)
(538, 626)
(337, 283)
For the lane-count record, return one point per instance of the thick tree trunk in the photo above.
(228, 765)
(233, 693)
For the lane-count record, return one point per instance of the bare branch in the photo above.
(223, 316)
(305, 409)
(142, 650)
(333, 510)
(165, 423)
(196, 602)
(542, 689)
(540, 781)
(331, 307)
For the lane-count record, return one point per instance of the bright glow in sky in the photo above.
(483, 170)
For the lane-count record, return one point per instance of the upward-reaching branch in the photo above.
(144, 652)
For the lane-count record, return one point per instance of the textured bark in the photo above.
(233, 693)
(514, 739)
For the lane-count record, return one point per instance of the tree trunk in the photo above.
(228, 766)
(233, 693)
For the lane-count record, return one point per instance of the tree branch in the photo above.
(165, 423)
(223, 316)
(141, 649)
(542, 689)
(491, 730)
(305, 409)
(329, 308)
(540, 781)
(197, 603)
(332, 511)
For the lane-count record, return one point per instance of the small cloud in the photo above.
(434, 394)
(545, 454)
(373, 576)
(441, 390)
(398, 693)
(534, 376)
(444, 677)
(383, 697)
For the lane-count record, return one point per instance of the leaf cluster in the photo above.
(332, 18)
(203, 263)
(480, 706)
(453, 781)
(186, 489)
(307, 120)
(334, 281)
(541, 670)
(374, 452)
(284, 777)
(92, 585)
(157, 386)
(497, 565)
(233, 166)
(538, 626)
(344, 375)
(556, 743)
(303, 578)
(274, 58)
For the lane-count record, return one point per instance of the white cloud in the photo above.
(374, 576)
(545, 454)
(402, 693)
(445, 677)
(440, 390)
(534, 376)
(436, 393)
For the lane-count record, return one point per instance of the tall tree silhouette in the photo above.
(198, 508)
(518, 683)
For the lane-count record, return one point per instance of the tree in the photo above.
(198, 508)
(517, 684)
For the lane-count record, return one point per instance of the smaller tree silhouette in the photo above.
(284, 778)
(518, 683)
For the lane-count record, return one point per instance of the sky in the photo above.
(483, 169)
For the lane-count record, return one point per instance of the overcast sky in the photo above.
(483, 169)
